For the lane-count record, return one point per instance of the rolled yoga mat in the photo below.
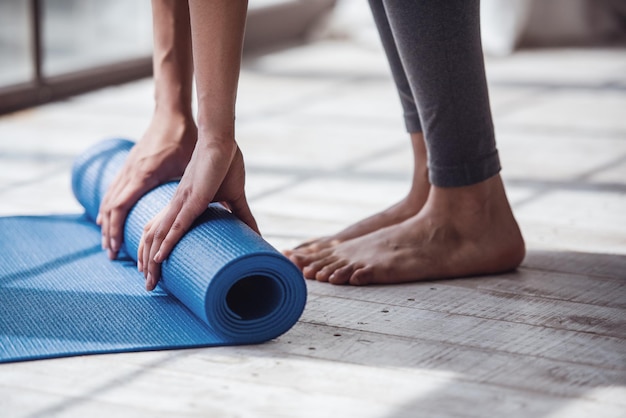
(61, 296)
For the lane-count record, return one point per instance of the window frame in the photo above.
(42, 89)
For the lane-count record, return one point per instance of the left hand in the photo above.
(214, 174)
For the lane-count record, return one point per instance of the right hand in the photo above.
(161, 155)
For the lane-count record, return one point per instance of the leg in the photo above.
(440, 48)
(466, 226)
(420, 186)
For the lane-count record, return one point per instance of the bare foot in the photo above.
(397, 213)
(460, 232)
(401, 211)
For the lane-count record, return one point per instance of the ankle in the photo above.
(480, 197)
(414, 201)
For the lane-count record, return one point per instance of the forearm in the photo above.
(172, 57)
(217, 29)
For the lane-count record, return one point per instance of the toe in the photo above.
(316, 246)
(313, 268)
(324, 274)
(362, 276)
(307, 246)
(341, 275)
(302, 260)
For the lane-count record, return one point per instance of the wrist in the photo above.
(216, 128)
(173, 106)
(222, 139)
(173, 125)
(221, 148)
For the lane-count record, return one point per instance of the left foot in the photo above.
(395, 214)
(462, 231)
(401, 211)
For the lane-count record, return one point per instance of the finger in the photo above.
(116, 230)
(153, 276)
(152, 269)
(241, 209)
(146, 240)
(103, 241)
(117, 216)
(105, 203)
(175, 232)
(140, 253)
(105, 210)
(168, 235)
(158, 230)
(104, 222)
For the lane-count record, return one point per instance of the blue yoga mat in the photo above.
(61, 296)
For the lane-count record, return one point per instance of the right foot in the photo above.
(460, 232)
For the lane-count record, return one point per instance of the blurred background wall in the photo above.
(51, 49)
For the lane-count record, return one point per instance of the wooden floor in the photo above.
(321, 131)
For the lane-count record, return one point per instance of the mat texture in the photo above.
(61, 296)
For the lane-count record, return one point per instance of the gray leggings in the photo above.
(435, 54)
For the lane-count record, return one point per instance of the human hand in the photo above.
(215, 174)
(161, 155)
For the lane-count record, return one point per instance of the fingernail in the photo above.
(149, 281)
(111, 255)
(104, 242)
(157, 257)
(139, 266)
